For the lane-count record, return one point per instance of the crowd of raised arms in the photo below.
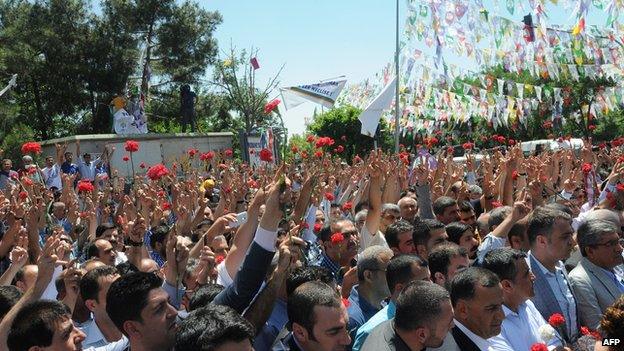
(390, 252)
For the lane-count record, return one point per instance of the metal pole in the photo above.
(396, 97)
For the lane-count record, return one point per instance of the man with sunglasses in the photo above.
(597, 281)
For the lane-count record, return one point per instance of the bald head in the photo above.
(147, 265)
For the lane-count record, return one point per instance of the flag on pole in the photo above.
(371, 115)
(324, 93)
(254, 63)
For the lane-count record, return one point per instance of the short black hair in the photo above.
(399, 270)
(9, 295)
(360, 205)
(441, 203)
(159, 234)
(396, 228)
(464, 284)
(465, 206)
(308, 295)
(455, 231)
(325, 233)
(127, 297)
(419, 304)
(35, 324)
(421, 233)
(302, 275)
(89, 285)
(203, 296)
(102, 228)
(126, 268)
(498, 215)
(92, 250)
(542, 220)
(440, 257)
(211, 326)
(502, 261)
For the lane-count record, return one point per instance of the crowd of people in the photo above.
(391, 252)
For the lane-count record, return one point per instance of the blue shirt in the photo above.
(332, 266)
(360, 311)
(69, 168)
(386, 314)
(278, 319)
(521, 330)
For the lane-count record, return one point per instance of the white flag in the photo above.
(324, 93)
(371, 115)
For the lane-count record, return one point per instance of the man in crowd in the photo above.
(552, 239)
(399, 237)
(522, 323)
(423, 317)
(402, 270)
(597, 280)
(445, 261)
(446, 209)
(428, 234)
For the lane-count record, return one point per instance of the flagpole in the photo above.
(396, 101)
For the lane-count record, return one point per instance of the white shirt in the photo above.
(481, 343)
(367, 240)
(52, 176)
(521, 330)
(95, 338)
(489, 243)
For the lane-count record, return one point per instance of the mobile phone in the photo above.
(241, 218)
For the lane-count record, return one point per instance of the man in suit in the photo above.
(552, 239)
(595, 281)
(317, 319)
(477, 299)
(423, 317)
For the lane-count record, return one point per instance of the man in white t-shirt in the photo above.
(52, 171)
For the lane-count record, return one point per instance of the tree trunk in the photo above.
(148, 54)
(41, 118)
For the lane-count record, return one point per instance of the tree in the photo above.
(237, 78)
(342, 125)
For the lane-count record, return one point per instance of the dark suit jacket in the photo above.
(248, 279)
(286, 344)
(384, 338)
(463, 341)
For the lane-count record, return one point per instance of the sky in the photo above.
(321, 39)
(315, 40)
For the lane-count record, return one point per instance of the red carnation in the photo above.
(339, 149)
(450, 150)
(206, 156)
(27, 181)
(294, 149)
(32, 170)
(318, 154)
(346, 302)
(310, 139)
(539, 347)
(357, 159)
(266, 155)
(228, 152)
(601, 146)
(219, 259)
(329, 196)
(514, 175)
(142, 165)
(304, 155)
(132, 146)
(496, 204)
(556, 320)
(252, 184)
(547, 125)
(511, 142)
(84, 214)
(85, 185)
(165, 206)
(347, 206)
(126, 158)
(160, 193)
(222, 166)
(23, 195)
(270, 106)
(157, 171)
(591, 127)
(304, 225)
(317, 227)
(337, 238)
(31, 147)
(468, 146)
(594, 334)
(620, 187)
(586, 168)
(192, 152)
(501, 139)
